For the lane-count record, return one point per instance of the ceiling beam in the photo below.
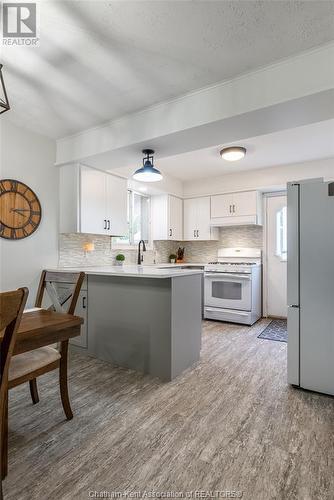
(302, 79)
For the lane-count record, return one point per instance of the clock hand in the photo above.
(19, 210)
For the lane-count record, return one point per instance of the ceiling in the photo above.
(99, 60)
(310, 142)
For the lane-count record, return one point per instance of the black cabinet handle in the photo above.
(170, 232)
(108, 225)
(84, 302)
(105, 224)
(234, 209)
(197, 233)
(194, 233)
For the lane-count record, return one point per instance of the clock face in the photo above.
(20, 210)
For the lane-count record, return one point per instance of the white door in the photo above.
(190, 219)
(175, 230)
(93, 201)
(276, 253)
(203, 218)
(117, 194)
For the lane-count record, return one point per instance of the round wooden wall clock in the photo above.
(20, 210)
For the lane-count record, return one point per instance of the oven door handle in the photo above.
(226, 275)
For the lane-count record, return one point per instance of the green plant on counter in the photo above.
(120, 257)
(172, 258)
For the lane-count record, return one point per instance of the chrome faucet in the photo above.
(140, 255)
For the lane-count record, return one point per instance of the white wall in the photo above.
(265, 179)
(30, 158)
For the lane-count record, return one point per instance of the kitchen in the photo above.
(176, 206)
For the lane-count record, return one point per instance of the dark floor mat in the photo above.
(276, 330)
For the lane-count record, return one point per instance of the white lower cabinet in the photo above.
(92, 201)
(197, 220)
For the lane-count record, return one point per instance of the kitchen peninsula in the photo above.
(144, 318)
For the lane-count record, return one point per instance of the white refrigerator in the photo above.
(311, 285)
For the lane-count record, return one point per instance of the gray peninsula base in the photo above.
(147, 324)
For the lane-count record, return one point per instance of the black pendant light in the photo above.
(4, 103)
(147, 173)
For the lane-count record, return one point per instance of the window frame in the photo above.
(117, 245)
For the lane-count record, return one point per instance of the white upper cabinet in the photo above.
(116, 194)
(93, 209)
(175, 215)
(245, 203)
(236, 209)
(167, 218)
(221, 205)
(190, 219)
(92, 201)
(197, 220)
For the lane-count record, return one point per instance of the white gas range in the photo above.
(232, 286)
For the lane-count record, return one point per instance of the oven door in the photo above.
(228, 290)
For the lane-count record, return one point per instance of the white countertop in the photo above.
(154, 271)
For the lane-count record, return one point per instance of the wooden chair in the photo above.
(11, 309)
(28, 366)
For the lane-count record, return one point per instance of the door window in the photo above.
(281, 233)
(226, 290)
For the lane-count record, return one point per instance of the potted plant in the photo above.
(120, 258)
(180, 255)
(172, 258)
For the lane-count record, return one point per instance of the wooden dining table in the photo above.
(39, 328)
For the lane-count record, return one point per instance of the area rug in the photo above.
(276, 330)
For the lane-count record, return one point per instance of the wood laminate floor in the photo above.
(230, 423)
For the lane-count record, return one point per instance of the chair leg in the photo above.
(4, 440)
(34, 391)
(63, 380)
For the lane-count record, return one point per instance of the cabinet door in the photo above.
(175, 216)
(116, 214)
(159, 217)
(69, 198)
(203, 231)
(81, 310)
(190, 219)
(245, 203)
(92, 201)
(222, 205)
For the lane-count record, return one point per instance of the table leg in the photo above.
(63, 380)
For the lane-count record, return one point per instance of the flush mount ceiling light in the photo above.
(147, 173)
(233, 153)
(4, 103)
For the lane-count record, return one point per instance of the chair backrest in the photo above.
(11, 309)
(63, 298)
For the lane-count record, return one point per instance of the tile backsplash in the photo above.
(71, 253)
